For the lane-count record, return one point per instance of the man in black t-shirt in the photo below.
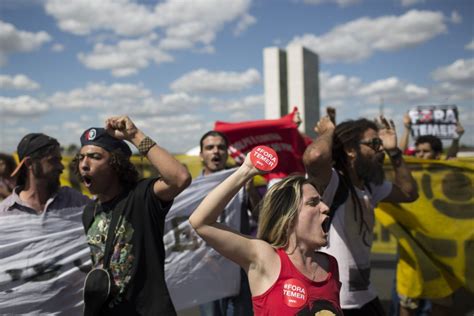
(137, 256)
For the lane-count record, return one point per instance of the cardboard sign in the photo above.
(264, 158)
(440, 121)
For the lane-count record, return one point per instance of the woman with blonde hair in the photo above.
(287, 275)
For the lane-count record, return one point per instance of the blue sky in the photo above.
(176, 66)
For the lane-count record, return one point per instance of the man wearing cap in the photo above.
(137, 256)
(43, 248)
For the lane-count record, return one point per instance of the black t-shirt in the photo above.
(137, 262)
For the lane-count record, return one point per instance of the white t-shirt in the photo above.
(350, 244)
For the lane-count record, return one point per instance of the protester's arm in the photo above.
(233, 245)
(454, 149)
(174, 176)
(406, 133)
(404, 187)
(317, 157)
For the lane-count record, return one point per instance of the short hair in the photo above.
(435, 142)
(35, 156)
(215, 134)
(279, 210)
(10, 163)
(125, 169)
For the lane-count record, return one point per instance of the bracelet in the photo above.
(145, 145)
(394, 153)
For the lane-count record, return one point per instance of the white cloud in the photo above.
(392, 90)
(57, 48)
(14, 40)
(22, 106)
(81, 17)
(455, 81)
(127, 57)
(184, 22)
(238, 105)
(408, 3)
(18, 82)
(197, 22)
(470, 45)
(359, 39)
(459, 72)
(338, 86)
(341, 3)
(203, 80)
(167, 104)
(99, 95)
(244, 23)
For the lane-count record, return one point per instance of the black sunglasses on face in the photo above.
(374, 143)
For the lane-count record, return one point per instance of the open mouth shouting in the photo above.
(86, 180)
(326, 224)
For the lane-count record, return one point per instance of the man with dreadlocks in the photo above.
(347, 162)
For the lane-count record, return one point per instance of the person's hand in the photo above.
(459, 129)
(407, 121)
(387, 133)
(249, 169)
(121, 127)
(325, 124)
(331, 112)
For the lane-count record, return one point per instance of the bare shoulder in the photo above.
(265, 269)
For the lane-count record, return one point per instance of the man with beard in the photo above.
(135, 209)
(347, 162)
(214, 153)
(43, 246)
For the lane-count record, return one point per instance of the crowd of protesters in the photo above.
(311, 252)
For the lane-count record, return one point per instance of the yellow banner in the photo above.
(436, 232)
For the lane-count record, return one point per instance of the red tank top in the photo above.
(295, 294)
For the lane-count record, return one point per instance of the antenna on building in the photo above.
(381, 106)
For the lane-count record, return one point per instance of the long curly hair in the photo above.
(347, 136)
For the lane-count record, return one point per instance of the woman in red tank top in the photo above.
(287, 275)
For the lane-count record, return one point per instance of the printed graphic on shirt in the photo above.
(122, 255)
(320, 308)
(294, 293)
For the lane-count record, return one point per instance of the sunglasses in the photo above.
(374, 143)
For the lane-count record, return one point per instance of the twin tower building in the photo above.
(291, 78)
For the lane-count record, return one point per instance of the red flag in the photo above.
(281, 134)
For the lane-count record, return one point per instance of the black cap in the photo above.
(98, 136)
(30, 144)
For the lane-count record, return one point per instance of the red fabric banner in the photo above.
(281, 134)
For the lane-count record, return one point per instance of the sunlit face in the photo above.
(96, 173)
(214, 154)
(312, 215)
(369, 160)
(49, 169)
(424, 151)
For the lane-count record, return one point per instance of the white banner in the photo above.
(43, 263)
(196, 273)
